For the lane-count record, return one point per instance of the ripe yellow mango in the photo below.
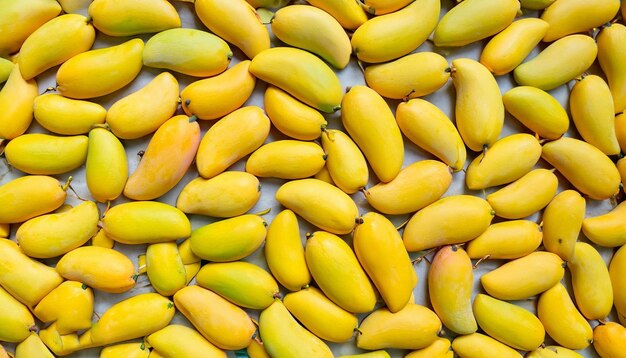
(256, 349)
(562, 221)
(59, 344)
(347, 12)
(16, 321)
(477, 345)
(292, 117)
(537, 110)
(181, 341)
(37, 153)
(106, 169)
(373, 354)
(186, 254)
(121, 18)
(67, 116)
(102, 240)
(29, 16)
(125, 350)
(450, 220)
(16, 99)
(617, 269)
(286, 159)
(230, 239)
(609, 340)
(345, 163)
(324, 175)
(440, 348)
(536, 4)
(570, 17)
(611, 53)
(381, 7)
(191, 270)
(553, 351)
(28, 196)
(70, 306)
(6, 66)
(165, 268)
(591, 282)
(267, 4)
(219, 321)
(32, 347)
(608, 229)
(510, 239)
(337, 272)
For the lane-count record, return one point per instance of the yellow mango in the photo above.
(6, 66)
(413, 327)
(347, 12)
(525, 196)
(537, 110)
(479, 109)
(236, 22)
(559, 63)
(16, 321)
(276, 323)
(562, 221)
(561, 319)
(552, 352)
(55, 42)
(337, 272)
(591, 282)
(302, 75)
(36, 153)
(319, 203)
(611, 53)
(188, 51)
(26, 197)
(167, 158)
(508, 323)
(564, 352)
(32, 347)
(230, 239)
(450, 220)
(5, 231)
(215, 97)
(98, 267)
(369, 121)
(324, 175)
(284, 251)
(131, 318)
(267, 4)
(53, 235)
(27, 280)
(440, 348)
(373, 354)
(536, 4)
(106, 167)
(144, 111)
(219, 321)
(608, 229)
(60, 345)
(191, 270)
(450, 281)
(286, 159)
(474, 20)
(181, 341)
(123, 18)
(155, 354)
(256, 349)
(584, 166)
(417, 118)
(391, 36)
(165, 268)
(617, 269)
(242, 283)
(16, 100)
(510, 239)
(186, 254)
(19, 19)
(379, 249)
(292, 117)
(320, 315)
(381, 7)
(126, 350)
(102, 240)
(100, 72)
(609, 340)
(345, 163)
(75, 6)
(477, 345)
(70, 305)
(511, 46)
(67, 116)
(570, 17)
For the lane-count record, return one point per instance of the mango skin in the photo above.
(67, 116)
(345, 163)
(44, 154)
(607, 230)
(348, 13)
(571, 17)
(30, 16)
(617, 267)
(480, 345)
(178, 340)
(292, 117)
(608, 340)
(70, 306)
(16, 98)
(106, 169)
(32, 347)
(165, 268)
(441, 348)
(59, 344)
(562, 221)
(611, 53)
(286, 159)
(120, 18)
(591, 282)
(17, 321)
(509, 239)
(127, 350)
(29, 196)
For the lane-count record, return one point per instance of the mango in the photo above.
(30, 16)
(562, 221)
(345, 163)
(509, 239)
(292, 117)
(537, 110)
(26, 197)
(70, 306)
(120, 18)
(16, 98)
(165, 268)
(286, 159)
(67, 116)
(16, 320)
(591, 282)
(571, 17)
(177, 340)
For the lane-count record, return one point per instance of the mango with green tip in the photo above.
(478, 345)
(576, 16)
(562, 221)
(537, 110)
(608, 340)
(70, 306)
(125, 350)
(106, 169)
(511, 239)
(292, 117)
(177, 340)
(121, 18)
(165, 268)
(611, 53)
(591, 282)
(67, 116)
(30, 16)
(28, 196)
(16, 320)
(16, 98)
(345, 163)
(286, 159)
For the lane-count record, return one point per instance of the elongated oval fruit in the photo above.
(611, 53)
(369, 121)
(181, 341)
(165, 268)
(524, 277)
(588, 14)
(450, 220)
(479, 109)
(320, 315)
(478, 345)
(417, 117)
(29, 196)
(169, 154)
(67, 116)
(32, 347)
(313, 29)
(134, 317)
(561, 319)
(345, 163)
(53, 235)
(337, 272)
(584, 166)
(474, 20)
(537, 110)
(276, 323)
(16, 99)
(99, 72)
(525, 196)
(144, 111)
(450, 281)
(319, 203)
(511, 46)
(302, 75)
(617, 268)
(242, 283)
(188, 51)
(16, 321)
(230, 139)
(508, 323)
(54, 43)
(106, 169)
(29, 15)
(219, 321)
(440, 348)
(413, 327)
(608, 340)
(391, 36)
(36, 153)
(249, 33)
(70, 306)
(122, 18)
(559, 63)
(591, 282)
(284, 251)
(510, 239)
(145, 222)
(229, 194)
(128, 350)
(347, 12)
(215, 97)
(379, 249)
(292, 117)
(230, 239)
(562, 221)
(286, 159)
(608, 229)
